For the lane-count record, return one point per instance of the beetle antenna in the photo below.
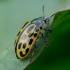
(43, 11)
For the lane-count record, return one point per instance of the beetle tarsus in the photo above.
(47, 43)
(48, 29)
(30, 60)
(45, 39)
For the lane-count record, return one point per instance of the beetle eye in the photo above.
(45, 21)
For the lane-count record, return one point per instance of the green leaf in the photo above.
(57, 57)
(13, 15)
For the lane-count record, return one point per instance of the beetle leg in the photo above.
(43, 35)
(49, 21)
(45, 39)
(33, 50)
(47, 29)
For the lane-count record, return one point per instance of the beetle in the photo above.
(27, 36)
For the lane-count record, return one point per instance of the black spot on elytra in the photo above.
(30, 41)
(31, 34)
(35, 34)
(19, 45)
(21, 54)
(27, 50)
(24, 45)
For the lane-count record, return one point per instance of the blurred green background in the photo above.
(14, 14)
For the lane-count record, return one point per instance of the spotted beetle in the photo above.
(27, 36)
